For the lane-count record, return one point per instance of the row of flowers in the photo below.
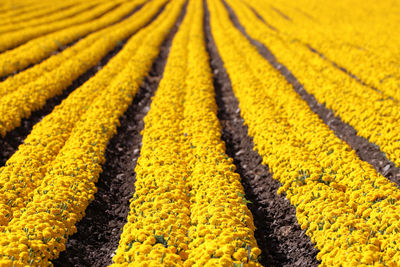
(350, 211)
(44, 46)
(48, 137)
(373, 114)
(64, 12)
(367, 48)
(15, 38)
(61, 160)
(189, 207)
(12, 12)
(53, 76)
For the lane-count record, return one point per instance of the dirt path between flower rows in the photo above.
(9, 144)
(366, 150)
(278, 234)
(99, 231)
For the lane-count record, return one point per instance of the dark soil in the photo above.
(312, 49)
(366, 150)
(343, 69)
(283, 15)
(99, 231)
(261, 18)
(9, 144)
(278, 234)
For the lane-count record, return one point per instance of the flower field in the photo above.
(199, 133)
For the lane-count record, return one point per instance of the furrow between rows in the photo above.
(349, 44)
(349, 210)
(68, 12)
(374, 115)
(10, 143)
(278, 233)
(99, 231)
(16, 38)
(33, 70)
(366, 150)
(42, 47)
(189, 207)
(46, 204)
(27, 11)
(31, 96)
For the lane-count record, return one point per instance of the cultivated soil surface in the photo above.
(278, 234)
(366, 150)
(99, 231)
(9, 144)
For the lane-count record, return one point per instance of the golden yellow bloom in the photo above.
(340, 199)
(181, 153)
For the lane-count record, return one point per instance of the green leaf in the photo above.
(161, 240)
